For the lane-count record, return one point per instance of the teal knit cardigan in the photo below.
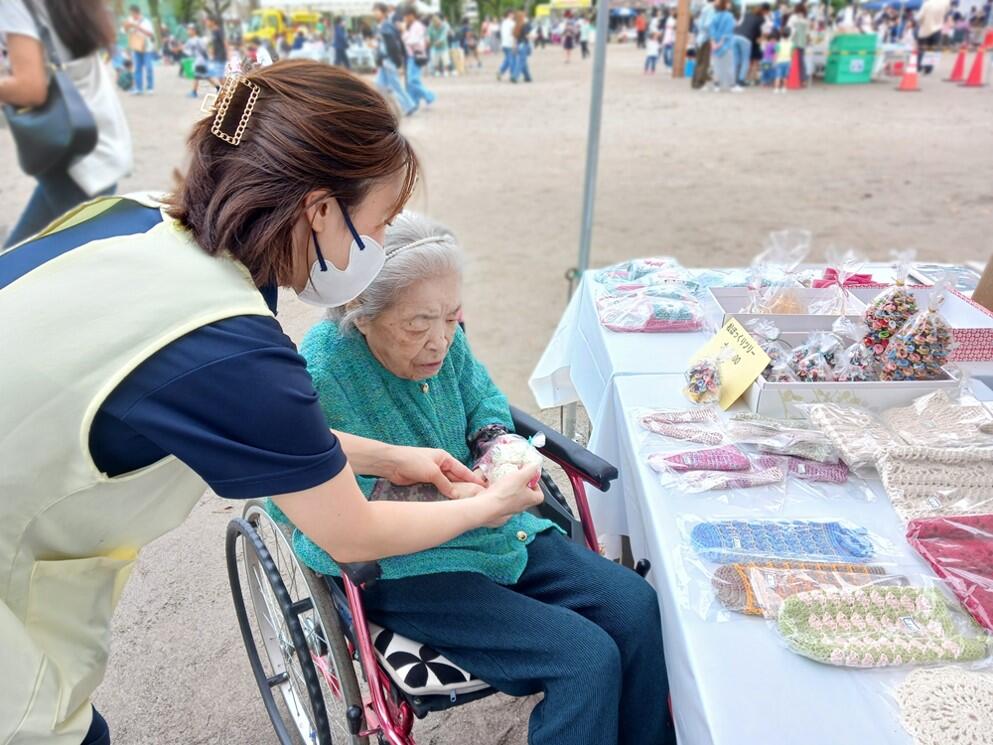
(360, 396)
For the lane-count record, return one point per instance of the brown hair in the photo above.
(83, 26)
(314, 127)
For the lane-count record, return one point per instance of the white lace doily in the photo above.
(924, 482)
(948, 706)
(935, 421)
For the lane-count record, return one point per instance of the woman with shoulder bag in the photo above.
(77, 30)
(415, 42)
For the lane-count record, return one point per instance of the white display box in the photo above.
(732, 299)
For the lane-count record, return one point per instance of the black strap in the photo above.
(44, 34)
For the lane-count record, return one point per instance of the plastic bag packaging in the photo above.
(697, 481)
(701, 425)
(774, 280)
(725, 475)
(780, 372)
(782, 437)
(814, 360)
(880, 626)
(723, 458)
(650, 309)
(767, 334)
(508, 453)
(843, 265)
(633, 270)
(892, 308)
(920, 350)
(960, 551)
(703, 381)
(934, 420)
(927, 482)
(942, 705)
(857, 434)
(856, 362)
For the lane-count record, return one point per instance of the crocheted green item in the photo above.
(361, 397)
(878, 627)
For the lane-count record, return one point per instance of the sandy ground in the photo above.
(698, 175)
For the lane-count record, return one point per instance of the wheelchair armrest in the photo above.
(560, 448)
(362, 572)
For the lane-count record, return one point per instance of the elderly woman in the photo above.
(520, 606)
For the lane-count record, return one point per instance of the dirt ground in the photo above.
(701, 176)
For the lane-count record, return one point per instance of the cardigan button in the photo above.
(522, 536)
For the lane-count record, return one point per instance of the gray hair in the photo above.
(417, 248)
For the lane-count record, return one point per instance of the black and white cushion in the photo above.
(419, 670)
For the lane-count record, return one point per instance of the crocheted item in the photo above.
(923, 482)
(877, 627)
(782, 437)
(854, 432)
(947, 705)
(807, 470)
(699, 481)
(960, 551)
(686, 432)
(729, 541)
(649, 308)
(699, 415)
(727, 458)
(935, 421)
(755, 588)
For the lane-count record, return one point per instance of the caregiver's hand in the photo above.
(429, 466)
(510, 495)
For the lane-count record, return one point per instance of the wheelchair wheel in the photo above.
(293, 637)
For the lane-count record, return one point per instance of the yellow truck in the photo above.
(268, 23)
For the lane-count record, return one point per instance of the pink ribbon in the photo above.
(831, 278)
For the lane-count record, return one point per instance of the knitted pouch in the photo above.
(960, 550)
(947, 705)
(854, 432)
(687, 432)
(877, 627)
(755, 588)
(729, 541)
(727, 458)
(935, 421)
(808, 470)
(926, 482)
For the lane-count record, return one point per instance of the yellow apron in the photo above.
(71, 330)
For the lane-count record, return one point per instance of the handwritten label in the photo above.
(740, 360)
(910, 624)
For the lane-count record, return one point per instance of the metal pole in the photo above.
(593, 134)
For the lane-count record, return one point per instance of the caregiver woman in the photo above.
(142, 362)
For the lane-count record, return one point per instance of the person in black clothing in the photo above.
(747, 51)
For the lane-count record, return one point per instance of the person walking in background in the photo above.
(141, 42)
(799, 28)
(930, 20)
(640, 27)
(522, 50)
(584, 37)
(746, 43)
(79, 31)
(701, 70)
(469, 40)
(441, 61)
(415, 43)
(784, 57)
(569, 34)
(217, 48)
(652, 48)
(340, 43)
(669, 41)
(507, 44)
(722, 42)
(390, 58)
(196, 48)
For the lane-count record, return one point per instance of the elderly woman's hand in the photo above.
(412, 465)
(510, 495)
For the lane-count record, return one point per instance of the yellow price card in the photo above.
(740, 360)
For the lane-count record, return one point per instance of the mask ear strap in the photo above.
(320, 254)
(351, 228)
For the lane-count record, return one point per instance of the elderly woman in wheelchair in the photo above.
(520, 606)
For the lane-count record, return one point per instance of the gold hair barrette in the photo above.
(219, 104)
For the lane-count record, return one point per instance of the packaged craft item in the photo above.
(814, 360)
(891, 309)
(774, 281)
(635, 270)
(649, 309)
(856, 362)
(781, 372)
(759, 588)
(509, 453)
(701, 426)
(934, 420)
(726, 458)
(926, 482)
(856, 433)
(945, 705)
(879, 627)
(782, 437)
(766, 333)
(695, 482)
(841, 266)
(807, 470)
(730, 541)
(703, 381)
(960, 551)
(920, 349)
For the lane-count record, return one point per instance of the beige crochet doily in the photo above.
(935, 421)
(926, 482)
(948, 706)
(854, 432)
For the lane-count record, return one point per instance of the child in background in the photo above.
(125, 76)
(652, 48)
(784, 56)
(669, 40)
(769, 57)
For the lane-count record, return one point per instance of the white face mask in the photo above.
(331, 287)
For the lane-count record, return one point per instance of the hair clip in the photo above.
(219, 104)
(390, 253)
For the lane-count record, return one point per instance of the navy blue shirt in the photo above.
(232, 399)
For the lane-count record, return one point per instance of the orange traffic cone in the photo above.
(794, 82)
(975, 79)
(908, 83)
(988, 41)
(958, 70)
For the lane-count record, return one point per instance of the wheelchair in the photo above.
(328, 675)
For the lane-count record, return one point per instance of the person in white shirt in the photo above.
(652, 48)
(507, 43)
(415, 35)
(930, 19)
(141, 42)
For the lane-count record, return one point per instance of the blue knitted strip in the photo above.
(729, 541)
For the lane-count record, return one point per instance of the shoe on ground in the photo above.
(192, 94)
(737, 89)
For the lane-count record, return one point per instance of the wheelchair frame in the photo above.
(382, 710)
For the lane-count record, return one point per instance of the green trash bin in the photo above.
(850, 59)
(188, 67)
